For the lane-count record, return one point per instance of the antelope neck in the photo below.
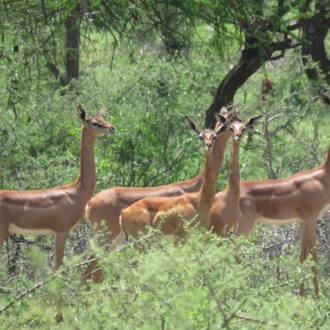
(87, 176)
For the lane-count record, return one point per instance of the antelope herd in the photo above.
(130, 211)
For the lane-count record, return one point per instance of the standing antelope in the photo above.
(169, 213)
(225, 212)
(302, 198)
(58, 210)
(266, 88)
(107, 205)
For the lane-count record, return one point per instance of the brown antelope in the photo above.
(302, 198)
(107, 205)
(169, 213)
(266, 87)
(225, 212)
(58, 210)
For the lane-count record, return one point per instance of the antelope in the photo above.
(58, 210)
(266, 87)
(169, 213)
(302, 198)
(107, 205)
(225, 212)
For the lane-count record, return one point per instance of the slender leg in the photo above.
(315, 281)
(120, 238)
(3, 231)
(244, 228)
(93, 272)
(88, 274)
(4, 234)
(97, 274)
(60, 240)
(303, 256)
(307, 241)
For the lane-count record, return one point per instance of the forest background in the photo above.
(149, 63)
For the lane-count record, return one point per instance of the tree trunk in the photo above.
(315, 33)
(249, 63)
(72, 28)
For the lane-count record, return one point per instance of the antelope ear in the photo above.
(249, 124)
(192, 125)
(223, 128)
(231, 113)
(101, 113)
(219, 117)
(81, 113)
(224, 111)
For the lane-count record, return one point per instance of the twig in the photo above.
(22, 295)
(127, 90)
(234, 314)
(86, 262)
(125, 246)
(128, 306)
(248, 318)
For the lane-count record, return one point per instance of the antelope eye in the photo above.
(231, 129)
(96, 124)
(201, 138)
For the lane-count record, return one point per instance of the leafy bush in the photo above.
(190, 286)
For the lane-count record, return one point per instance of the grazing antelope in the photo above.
(58, 210)
(169, 213)
(225, 212)
(107, 205)
(302, 198)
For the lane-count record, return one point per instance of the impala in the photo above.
(169, 213)
(58, 210)
(107, 205)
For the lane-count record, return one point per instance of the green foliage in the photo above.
(146, 94)
(192, 286)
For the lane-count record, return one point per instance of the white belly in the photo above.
(279, 222)
(290, 221)
(25, 232)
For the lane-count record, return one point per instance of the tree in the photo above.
(266, 37)
(314, 48)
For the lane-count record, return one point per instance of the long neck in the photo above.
(327, 160)
(87, 176)
(218, 152)
(233, 175)
(207, 191)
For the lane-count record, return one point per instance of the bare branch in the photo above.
(251, 319)
(22, 295)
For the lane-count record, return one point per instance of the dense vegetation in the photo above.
(147, 87)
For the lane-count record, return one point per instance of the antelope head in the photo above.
(237, 129)
(208, 136)
(95, 125)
